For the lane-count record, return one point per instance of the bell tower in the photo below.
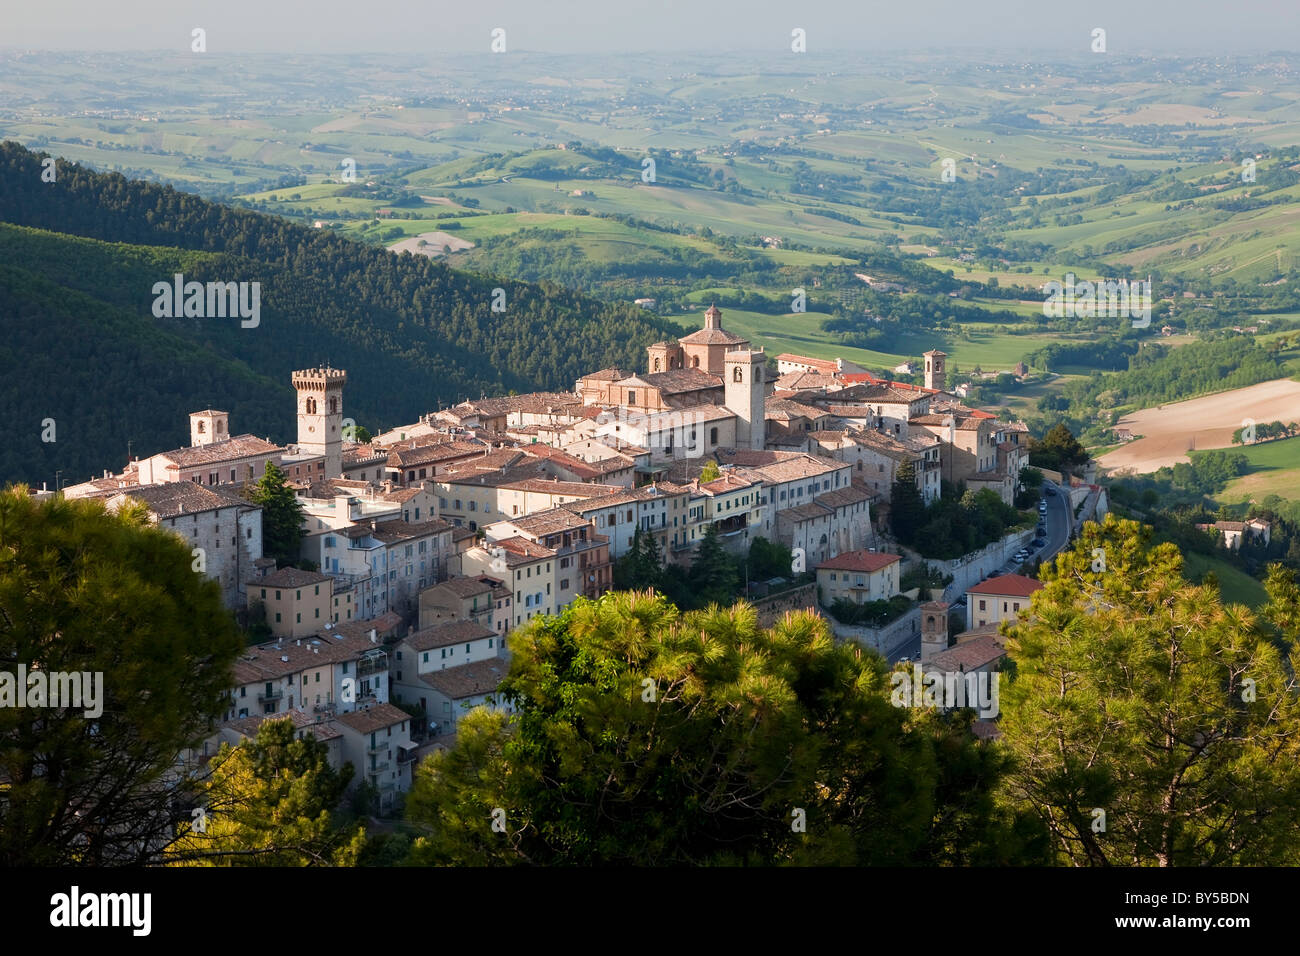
(208, 426)
(744, 395)
(936, 376)
(320, 415)
(934, 629)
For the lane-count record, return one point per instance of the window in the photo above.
(489, 643)
(982, 606)
(426, 657)
(631, 396)
(466, 648)
(737, 375)
(564, 584)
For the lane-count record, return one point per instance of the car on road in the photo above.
(1050, 490)
(1039, 542)
(916, 656)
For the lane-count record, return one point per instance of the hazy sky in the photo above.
(605, 26)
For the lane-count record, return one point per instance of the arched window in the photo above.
(737, 375)
(859, 466)
(656, 365)
(695, 361)
(202, 428)
(334, 406)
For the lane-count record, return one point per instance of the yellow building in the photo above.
(298, 603)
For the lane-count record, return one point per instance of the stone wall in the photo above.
(772, 609)
(971, 569)
(885, 640)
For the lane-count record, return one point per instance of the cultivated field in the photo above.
(1207, 422)
(1274, 470)
(434, 244)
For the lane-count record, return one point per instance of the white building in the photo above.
(224, 532)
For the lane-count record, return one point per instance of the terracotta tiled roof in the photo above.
(460, 587)
(396, 530)
(175, 498)
(970, 656)
(266, 662)
(613, 374)
(467, 680)
(865, 561)
(713, 337)
(373, 718)
(447, 634)
(1007, 585)
(291, 578)
(241, 446)
(824, 365)
(550, 521)
(682, 379)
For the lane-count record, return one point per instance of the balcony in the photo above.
(380, 766)
(266, 695)
(376, 663)
(405, 756)
(378, 748)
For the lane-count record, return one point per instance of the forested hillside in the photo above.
(83, 347)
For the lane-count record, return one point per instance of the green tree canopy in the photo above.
(1141, 696)
(270, 802)
(713, 578)
(113, 597)
(906, 506)
(282, 515)
(649, 737)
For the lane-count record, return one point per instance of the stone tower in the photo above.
(934, 629)
(209, 426)
(320, 415)
(936, 375)
(744, 394)
(707, 348)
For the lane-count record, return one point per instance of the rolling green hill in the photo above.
(79, 258)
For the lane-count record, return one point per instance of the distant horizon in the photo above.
(1144, 27)
(1030, 54)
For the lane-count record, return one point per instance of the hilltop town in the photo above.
(424, 547)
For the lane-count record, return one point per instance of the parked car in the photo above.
(1050, 490)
